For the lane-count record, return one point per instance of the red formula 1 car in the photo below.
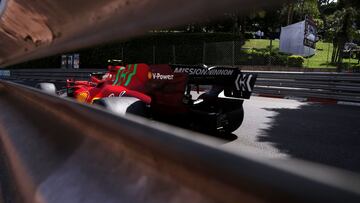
(165, 93)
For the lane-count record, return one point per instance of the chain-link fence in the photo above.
(255, 52)
(223, 53)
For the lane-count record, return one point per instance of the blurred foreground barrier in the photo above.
(48, 27)
(57, 150)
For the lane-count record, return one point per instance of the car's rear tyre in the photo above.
(49, 88)
(233, 120)
(123, 105)
(229, 112)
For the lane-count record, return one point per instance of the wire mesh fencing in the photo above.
(266, 52)
(257, 52)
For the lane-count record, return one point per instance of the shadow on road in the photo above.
(225, 138)
(327, 134)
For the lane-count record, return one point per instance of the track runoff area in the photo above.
(286, 129)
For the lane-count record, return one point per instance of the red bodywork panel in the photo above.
(156, 85)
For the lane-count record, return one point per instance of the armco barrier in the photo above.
(333, 86)
(64, 151)
(52, 74)
(5, 73)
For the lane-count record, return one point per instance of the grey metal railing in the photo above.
(51, 74)
(335, 86)
(64, 151)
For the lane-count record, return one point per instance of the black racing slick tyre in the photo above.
(49, 88)
(232, 120)
(123, 105)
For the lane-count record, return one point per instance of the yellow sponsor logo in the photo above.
(82, 97)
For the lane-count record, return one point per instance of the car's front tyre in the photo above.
(123, 105)
(49, 88)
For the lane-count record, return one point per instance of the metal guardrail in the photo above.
(52, 74)
(58, 76)
(70, 152)
(335, 86)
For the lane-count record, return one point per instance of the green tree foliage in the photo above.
(342, 27)
(295, 11)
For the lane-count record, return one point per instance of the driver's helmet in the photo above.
(113, 66)
(107, 76)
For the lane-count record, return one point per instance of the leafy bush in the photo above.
(278, 59)
(260, 57)
(295, 61)
(249, 35)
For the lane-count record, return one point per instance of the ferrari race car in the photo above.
(171, 94)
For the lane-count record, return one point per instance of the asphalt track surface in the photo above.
(284, 129)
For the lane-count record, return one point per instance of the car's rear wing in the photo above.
(232, 80)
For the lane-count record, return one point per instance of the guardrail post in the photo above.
(122, 54)
(270, 51)
(204, 52)
(233, 53)
(154, 54)
(174, 53)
